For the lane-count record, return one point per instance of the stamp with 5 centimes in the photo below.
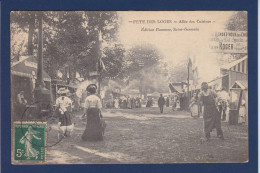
(29, 143)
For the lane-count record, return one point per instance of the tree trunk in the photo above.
(30, 34)
(40, 55)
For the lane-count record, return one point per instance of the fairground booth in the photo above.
(23, 77)
(233, 79)
(178, 90)
(238, 103)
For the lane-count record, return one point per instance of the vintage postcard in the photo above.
(129, 87)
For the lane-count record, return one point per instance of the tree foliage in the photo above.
(143, 66)
(71, 44)
(113, 58)
(70, 40)
(139, 58)
(237, 22)
(22, 21)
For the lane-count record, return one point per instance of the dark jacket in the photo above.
(161, 101)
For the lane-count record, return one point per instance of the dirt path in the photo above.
(145, 136)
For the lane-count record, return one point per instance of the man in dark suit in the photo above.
(161, 102)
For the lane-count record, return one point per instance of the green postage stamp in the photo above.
(29, 141)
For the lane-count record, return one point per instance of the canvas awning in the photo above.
(131, 92)
(232, 64)
(116, 94)
(63, 83)
(154, 94)
(27, 67)
(177, 88)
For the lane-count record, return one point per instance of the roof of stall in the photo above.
(234, 63)
(27, 67)
(175, 88)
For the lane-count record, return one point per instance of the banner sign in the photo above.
(229, 42)
(93, 73)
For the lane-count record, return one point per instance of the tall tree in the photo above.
(237, 22)
(143, 66)
(113, 57)
(70, 40)
(75, 43)
(26, 22)
(65, 39)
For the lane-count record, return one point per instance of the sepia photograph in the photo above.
(129, 87)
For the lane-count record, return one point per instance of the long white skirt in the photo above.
(194, 110)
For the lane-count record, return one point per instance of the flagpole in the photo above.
(188, 89)
(42, 95)
(99, 54)
(99, 59)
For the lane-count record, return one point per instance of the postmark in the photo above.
(29, 141)
(30, 133)
(51, 119)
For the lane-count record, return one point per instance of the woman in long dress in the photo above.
(124, 103)
(116, 103)
(27, 141)
(194, 106)
(242, 113)
(178, 104)
(129, 102)
(212, 117)
(95, 125)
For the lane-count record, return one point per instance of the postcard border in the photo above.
(248, 5)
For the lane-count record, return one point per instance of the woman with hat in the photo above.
(211, 116)
(64, 104)
(92, 108)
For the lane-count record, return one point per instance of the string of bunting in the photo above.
(109, 77)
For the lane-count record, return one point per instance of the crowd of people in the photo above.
(207, 102)
(126, 102)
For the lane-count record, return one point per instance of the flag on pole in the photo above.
(195, 71)
(190, 75)
(101, 65)
(189, 62)
(100, 36)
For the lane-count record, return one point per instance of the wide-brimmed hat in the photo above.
(63, 91)
(91, 87)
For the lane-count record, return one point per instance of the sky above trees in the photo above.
(71, 39)
(178, 46)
